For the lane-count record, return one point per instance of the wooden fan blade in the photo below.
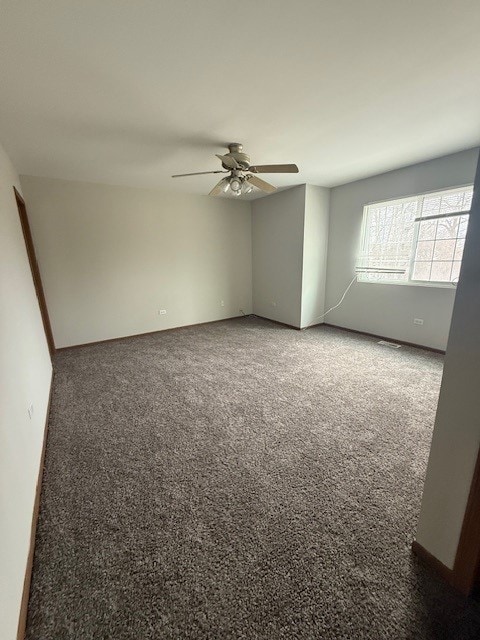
(218, 188)
(228, 161)
(199, 173)
(261, 184)
(274, 168)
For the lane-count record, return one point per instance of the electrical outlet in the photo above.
(162, 312)
(222, 303)
(417, 321)
(30, 411)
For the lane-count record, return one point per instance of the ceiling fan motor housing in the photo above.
(235, 152)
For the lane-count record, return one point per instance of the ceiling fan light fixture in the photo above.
(236, 186)
(247, 187)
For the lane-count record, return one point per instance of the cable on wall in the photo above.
(357, 271)
(334, 307)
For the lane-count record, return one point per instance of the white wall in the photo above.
(25, 376)
(111, 257)
(382, 309)
(315, 242)
(456, 437)
(278, 232)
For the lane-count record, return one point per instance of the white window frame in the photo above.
(419, 198)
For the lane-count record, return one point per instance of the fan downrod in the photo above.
(235, 147)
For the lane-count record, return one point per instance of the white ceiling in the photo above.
(129, 92)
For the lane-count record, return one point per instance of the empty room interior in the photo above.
(240, 320)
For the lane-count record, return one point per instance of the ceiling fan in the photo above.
(242, 176)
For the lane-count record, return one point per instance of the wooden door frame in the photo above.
(465, 574)
(466, 568)
(37, 281)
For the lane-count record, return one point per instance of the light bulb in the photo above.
(247, 187)
(236, 186)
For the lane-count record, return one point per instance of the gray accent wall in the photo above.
(315, 243)
(383, 309)
(277, 249)
(289, 247)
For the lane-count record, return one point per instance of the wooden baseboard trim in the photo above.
(22, 621)
(438, 567)
(374, 335)
(312, 326)
(148, 333)
(282, 324)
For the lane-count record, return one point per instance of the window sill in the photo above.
(411, 283)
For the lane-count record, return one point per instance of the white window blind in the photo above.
(423, 236)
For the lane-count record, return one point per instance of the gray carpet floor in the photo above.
(239, 480)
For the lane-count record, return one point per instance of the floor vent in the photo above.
(392, 345)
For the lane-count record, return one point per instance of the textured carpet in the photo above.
(239, 480)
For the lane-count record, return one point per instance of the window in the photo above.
(415, 240)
